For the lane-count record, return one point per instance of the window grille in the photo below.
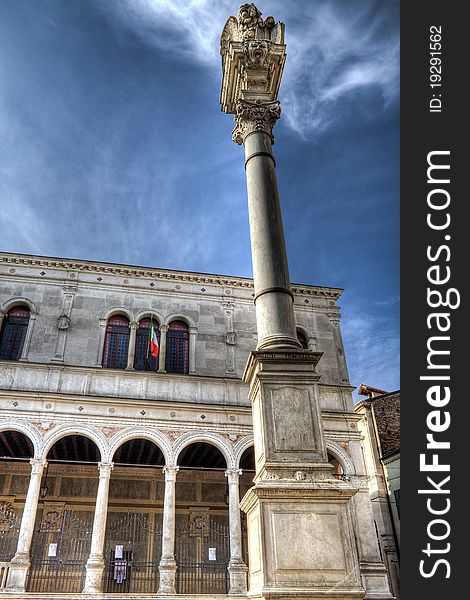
(116, 343)
(177, 348)
(143, 360)
(13, 334)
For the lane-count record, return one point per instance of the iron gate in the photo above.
(202, 556)
(59, 551)
(10, 522)
(133, 546)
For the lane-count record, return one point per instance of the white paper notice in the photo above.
(212, 554)
(52, 550)
(118, 551)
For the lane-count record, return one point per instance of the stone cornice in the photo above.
(113, 269)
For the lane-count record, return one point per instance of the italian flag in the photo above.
(153, 339)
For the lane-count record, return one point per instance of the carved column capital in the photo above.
(170, 472)
(233, 475)
(134, 325)
(37, 465)
(255, 116)
(105, 469)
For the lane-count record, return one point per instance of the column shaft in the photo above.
(131, 349)
(95, 563)
(273, 296)
(167, 565)
(237, 568)
(162, 351)
(20, 563)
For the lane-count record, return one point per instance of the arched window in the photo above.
(116, 343)
(13, 334)
(177, 348)
(302, 339)
(143, 360)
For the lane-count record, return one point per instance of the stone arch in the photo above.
(12, 302)
(144, 314)
(118, 310)
(33, 313)
(179, 317)
(210, 438)
(240, 448)
(132, 433)
(341, 456)
(28, 430)
(88, 431)
(303, 330)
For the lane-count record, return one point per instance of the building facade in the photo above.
(380, 430)
(121, 472)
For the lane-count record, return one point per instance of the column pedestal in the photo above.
(300, 532)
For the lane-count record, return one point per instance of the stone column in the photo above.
(27, 339)
(162, 350)
(236, 567)
(192, 350)
(300, 532)
(167, 565)
(131, 349)
(2, 316)
(95, 562)
(101, 338)
(20, 563)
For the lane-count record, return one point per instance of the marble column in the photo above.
(20, 563)
(192, 350)
(131, 349)
(237, 568)
(95, 562)
(27, 339)
(162, 350)
(101, 339)
(167, 565)
(295, 504)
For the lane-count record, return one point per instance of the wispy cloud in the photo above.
(373, 349)
(339, 50)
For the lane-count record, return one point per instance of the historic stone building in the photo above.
(380, 432)
(137, 458)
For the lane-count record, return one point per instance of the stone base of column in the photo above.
(237, 571)
(94, 575)
(301, 541)
(19, 567)
(167, 569)
(375, 581)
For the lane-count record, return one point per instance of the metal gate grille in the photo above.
(10, 522)
(133, 546)
(202, 556)
(59, 551)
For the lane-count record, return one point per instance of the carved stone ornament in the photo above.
(256, 53)
(250, 22)
(255, 116)
(253, 56)
(231, 338)
(63, 322)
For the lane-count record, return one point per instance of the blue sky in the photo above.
(114, 148)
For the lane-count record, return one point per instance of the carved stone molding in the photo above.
(255, 116)
(63, 322)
